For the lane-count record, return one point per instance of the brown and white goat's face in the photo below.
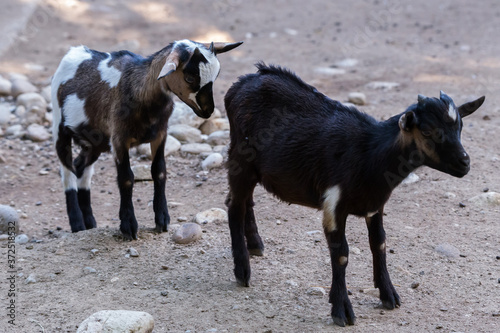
(434, 125)
(190, 71)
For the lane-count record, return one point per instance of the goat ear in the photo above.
(222, 47)
(407, 121)
(170, 66)
(468, 108)
(198, 55)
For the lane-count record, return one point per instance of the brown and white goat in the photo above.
(309, 150)
(118, 100)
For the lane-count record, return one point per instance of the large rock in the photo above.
(488, 198)
(22, 86)
(213, 160)
(5, 113)
(37, 133)
(187, 233)
(196, 148)
(5, 87)
(115, 321)
(212, 215)
(35, 106)
(172, 145)
(8, 218)
(218, 138)
(184, 115)
(185, 133)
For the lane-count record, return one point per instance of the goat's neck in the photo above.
(150, 90)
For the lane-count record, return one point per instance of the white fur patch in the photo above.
(331, 199)
(452, 113)
(84, 181)
(66, 71)
(109, 74)
(74, 111)
(68, 179)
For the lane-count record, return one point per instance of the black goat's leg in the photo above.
(388, 295)
(254, 243)
(84, 165)
(342, 312)
(159, 174)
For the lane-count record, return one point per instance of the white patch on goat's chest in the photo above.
(452, 113)
(331, 199)
(74, 111)
(109, 74)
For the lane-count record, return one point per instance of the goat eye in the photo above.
(426, 133)
(189, 79)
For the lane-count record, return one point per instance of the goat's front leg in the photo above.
(159, 174)
(128, 224)
(388, 295)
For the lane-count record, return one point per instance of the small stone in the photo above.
(391, 251)
(212, 215)
(316, 291)
(15, 131)
(164, 293)
(357, 98)
(94, 252)
(89, 270)
(444, 309)
(29, 247)
(172, 145)
(486, 199)
(185, 133)
(382, 85)
(5, 113)
(415, 285)
(22, 239)
(196, 148)
(498, 257)
(212, 161)
(43, 172)
(142, 172)
(314, 232)
(329, 71)
(144, 149)
(291, 32)
(348, 62)
(38, 203)
(22, 86)
(164, 267)
(461, 205)
(117, 321)
(5, 87)
(439, 326)
(449, 195)
(213, 125)
(9, 219)
(411, 178)
(291, 283)
(218, 138)
(187, 233)
(31, 279)
(354, 250)
(486, 189)
(182, 219)
(133, 252)
(37, 133)
(447, 250)
(486, 117)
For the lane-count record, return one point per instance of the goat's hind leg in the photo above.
(254, 243)
(84, 165)
(388, 295)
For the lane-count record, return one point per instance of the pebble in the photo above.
(37, 133)
(21, 86)
(348, 62)
(488, 198)
(449, 195)
(117, 321)
(142, 172)
(382, 85)
(291, 283)
(187, 233)
(133, 252)
(316, 291)
(89, 270)
(22, 239)
(172, 145)
(411, 178)
(329, 71)
(5, 113)
(212, 125)
(183, 114)
(357, 98)
(8, 218)
(5, 87)
(185, 133)
(43, 172)
(212, 215)
(31, 279)
(415, 285)
(15, 131)
(218, 138)
(196, 148)
(314, 232)
(447, 250)
(354, 250)
(212, 161)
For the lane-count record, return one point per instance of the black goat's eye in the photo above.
(189, 79)
(426, 133)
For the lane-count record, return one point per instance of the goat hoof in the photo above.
(256, 252)
(243, 283)
(90, 223)
(390, 299)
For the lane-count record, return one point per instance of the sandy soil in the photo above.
(424, 47)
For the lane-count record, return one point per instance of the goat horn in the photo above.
(421, 98)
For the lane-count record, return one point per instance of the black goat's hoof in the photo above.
(243, 283)
(342, 313)
(256, 252)
(390, 298)
(162, 222)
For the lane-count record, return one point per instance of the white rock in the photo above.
(14, 130)
(196, 148)
(212, 215)
(213, 160)
(382, 85)
(221, 149)
(185, 133)
(5, 113)
(354, 250)
(488, 198)
(218, 138)
(447, 250)
(449, 195)
(329, 71)
(142, 172)
(183, 114)
(187, 233)
(8, 219)
(316, 291)
(21, 86)
(348, 62)
(291, 32)
(411, 178)
(89, 270)
(22, 239)
(172, 145)
(144, 149)
(20, 111)
(5, 87)
(133, 252)
(31, 279)
(37, 133)
(46, 93)
(357, 98)
(114, 321)
(212, 125)
(35, 105)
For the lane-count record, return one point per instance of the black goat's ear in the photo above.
(407, 121)
(468, 108)
(171, 63)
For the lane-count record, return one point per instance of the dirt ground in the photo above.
(423, 46)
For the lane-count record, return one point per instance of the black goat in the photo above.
(309, 150)
(119, 100)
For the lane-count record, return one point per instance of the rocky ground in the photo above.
(443, 232)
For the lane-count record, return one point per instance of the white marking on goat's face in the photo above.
(109, 74)
(74, 111)
(208, 72)
(84, 181)
(343, 260)
(452, 113)
(68, 179)
(331, 199)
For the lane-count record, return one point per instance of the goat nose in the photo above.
(464, 160)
